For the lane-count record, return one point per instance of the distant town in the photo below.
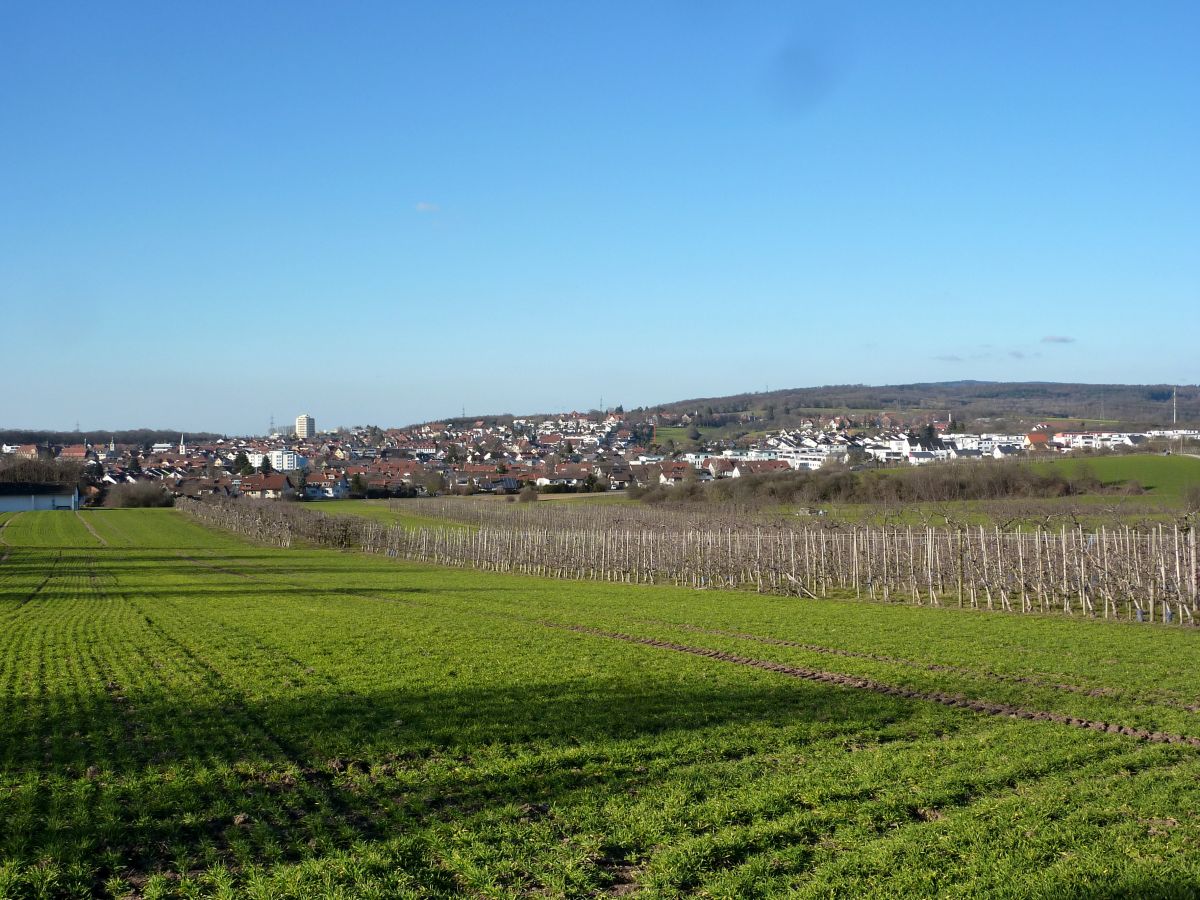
(564, 453)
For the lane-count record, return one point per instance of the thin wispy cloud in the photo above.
(424, 206)
(1057, 339)
(986, 355)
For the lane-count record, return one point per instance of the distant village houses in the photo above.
(569, 452)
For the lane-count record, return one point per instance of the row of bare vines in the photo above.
(1115, 573)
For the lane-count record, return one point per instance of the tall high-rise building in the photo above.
(306, 426)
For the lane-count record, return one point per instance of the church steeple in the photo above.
(182, 446)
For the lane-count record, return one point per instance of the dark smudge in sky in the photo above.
(809, 67)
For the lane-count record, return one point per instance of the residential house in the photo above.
(719, 467)
(327, 486)
(267, 487)
(745, 467)
(1039, 442)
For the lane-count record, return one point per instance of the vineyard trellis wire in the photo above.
(1114, 573)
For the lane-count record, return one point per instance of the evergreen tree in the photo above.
(241, 464)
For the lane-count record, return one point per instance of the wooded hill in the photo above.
(138, 436)
(1133, 405)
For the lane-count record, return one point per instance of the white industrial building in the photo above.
(22, 495)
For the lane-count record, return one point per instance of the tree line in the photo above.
(142, 437)
(923, 484)
(40, 471)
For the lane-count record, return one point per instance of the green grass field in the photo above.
(1164, 477)
(1166, 481)
(724, 433)
(382, 511)
(186, 715)
(598, 497)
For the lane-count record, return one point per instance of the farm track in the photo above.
(837, 678)
(91, 530)
(213, 566)
(115, 531)
(4, 543)
(878, 687)
(986, 674)
(356, 593)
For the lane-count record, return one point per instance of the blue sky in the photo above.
(385, 212)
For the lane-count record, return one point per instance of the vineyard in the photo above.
(184, 713)
(1122, 573)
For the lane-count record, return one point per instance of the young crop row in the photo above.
(1118, 574)
(27, 529)
(135, 734)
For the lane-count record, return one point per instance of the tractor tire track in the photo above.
(4, 525)
(353, 593)
(836, 678)
(1103, 692)
(50, 574)
(196, 562)
(91, 530)
(879, 687)
(3, 542)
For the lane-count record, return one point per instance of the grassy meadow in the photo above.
(1164, 478)
(383, 511)
(1138, 490)
(679, 433)
(183, 714)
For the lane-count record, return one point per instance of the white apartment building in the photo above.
(281, 460)
(306, 426)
